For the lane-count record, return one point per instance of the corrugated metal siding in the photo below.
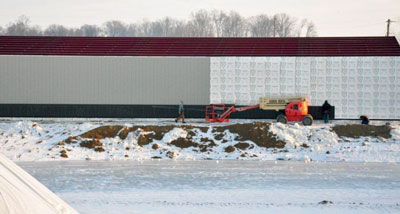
(104, 80)
(177, 46)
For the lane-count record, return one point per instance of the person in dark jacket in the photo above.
(364, 120)
(181, 112)
(326, 109)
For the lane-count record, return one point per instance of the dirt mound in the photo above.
(242, 146)
(357, 130)
(63, 154)
(91, 144)
(230, 149)
(256, 132)
(184, 143)
(206, 144)
(155, 146)
(99, 149)
(157, 131)
(102, 132)
(145, 139)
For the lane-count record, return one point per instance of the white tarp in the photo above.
(354, 85)
(20, 193)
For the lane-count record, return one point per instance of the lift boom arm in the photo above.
(232, 109)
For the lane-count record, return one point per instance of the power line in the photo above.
(367, 25)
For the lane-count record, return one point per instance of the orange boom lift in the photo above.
(292, 109)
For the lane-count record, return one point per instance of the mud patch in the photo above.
(230, 149)
(206, 144)
(71, 139)
(91, 144)
(219, 136)
(102, 132)
(242, 146)
(155, 146)
(325, 202)
(63, 154)
(99, 149)
(257, 132)
(145, 139)
(357, 131)
(184, 143)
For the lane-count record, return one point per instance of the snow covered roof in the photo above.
(21, 193)
(159, 46)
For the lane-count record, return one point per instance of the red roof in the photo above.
(159, 46)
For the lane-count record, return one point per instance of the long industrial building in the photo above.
(143, 77)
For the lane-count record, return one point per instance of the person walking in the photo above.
(364, 120)
(181, 112)
(326, 109)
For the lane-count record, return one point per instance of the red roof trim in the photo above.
(176, 46)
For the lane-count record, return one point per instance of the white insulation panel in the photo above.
(354, 85)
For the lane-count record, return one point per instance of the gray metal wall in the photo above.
(104, 80)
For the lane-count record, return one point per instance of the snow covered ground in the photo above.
(32, 139)
(320, 172)
(21, 193)
(227, 186)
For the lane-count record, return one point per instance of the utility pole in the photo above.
(388, 27)
(274, 25)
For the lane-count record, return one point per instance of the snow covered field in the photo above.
(227, 186)
(300, 170)
(42, 140)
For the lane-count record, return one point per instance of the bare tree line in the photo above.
(200, 24)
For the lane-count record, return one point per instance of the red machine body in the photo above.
(221, 113)
(296, 111)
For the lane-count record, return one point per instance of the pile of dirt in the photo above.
(357, 130)
(257, 132)
(91, 144)
(155, 146)
(230, 149)
(242, 146)
(184, 143)
(63, 154)
(206, 144)
(157, 133)
(102, 132)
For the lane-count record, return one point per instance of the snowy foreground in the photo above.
(228, 186)
(112, 166)
(21, 193)
(41, 140)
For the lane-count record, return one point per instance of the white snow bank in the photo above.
(21, 193)
(32, 141)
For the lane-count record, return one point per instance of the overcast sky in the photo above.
(331, 17)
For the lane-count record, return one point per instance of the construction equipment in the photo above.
(291, 108)
(221, 113)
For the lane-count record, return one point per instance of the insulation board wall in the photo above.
(354, 85)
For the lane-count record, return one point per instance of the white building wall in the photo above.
(354, 85)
